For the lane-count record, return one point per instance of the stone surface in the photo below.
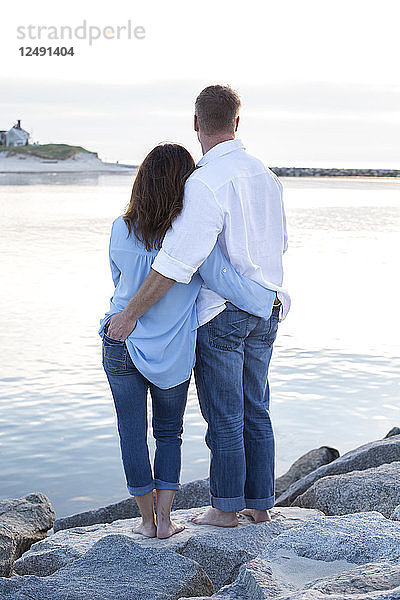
(359, 538)
(257, 578)
(192, 494)
(393, 431)
(300, 555)
(352, 557)
(370, 455)
(305, 465)
(396, 513)
(221, 552)
(45, 557)
(23, 521)
(115, 567)
(371, 577)
(299, 578)
(357, 491)
(308, 581)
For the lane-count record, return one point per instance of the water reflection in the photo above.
(65, 178)
(334, 377)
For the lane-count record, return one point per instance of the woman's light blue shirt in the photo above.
(162, 346)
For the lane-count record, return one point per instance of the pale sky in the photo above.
(320, 81)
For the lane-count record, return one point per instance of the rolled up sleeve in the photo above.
(172, 268)
(192, 235)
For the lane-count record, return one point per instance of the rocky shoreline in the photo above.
(321, 172)
(334, 535)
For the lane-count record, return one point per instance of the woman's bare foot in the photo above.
(167, 528)
(259, 516)
(219, 518)
(147, 529)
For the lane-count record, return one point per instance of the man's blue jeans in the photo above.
(233, 355)
(129, 390)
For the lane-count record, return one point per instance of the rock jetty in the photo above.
(334, 535)
(322, 172)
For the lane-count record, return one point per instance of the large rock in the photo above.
(297, 578)
(353, 557)
(305, 465)
(300, 555)
(370, 455)
(393, 431)
(115, 568)
(234, 591)
(47, 556)
(357, 491)
(23, 521)
(126, 509)
(334, 558)
(359, 538)
(192, 494)
(372, 577)
(396, 513)
(221, 551)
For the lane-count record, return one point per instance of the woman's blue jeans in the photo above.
(233, 355)
(129, 390)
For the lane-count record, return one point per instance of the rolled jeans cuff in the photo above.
(260, 503)
(164, 485)
(141, 491)
(228, 504)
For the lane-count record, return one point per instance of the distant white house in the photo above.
(16, 136)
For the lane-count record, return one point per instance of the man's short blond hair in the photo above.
(217, 108)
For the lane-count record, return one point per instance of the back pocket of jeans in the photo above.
(227, 330)
(115, 355)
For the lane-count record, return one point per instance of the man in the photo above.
(233, 198)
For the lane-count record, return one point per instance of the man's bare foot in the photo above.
(259, 516)
(146, 529)
(219, 518)
(167, 528)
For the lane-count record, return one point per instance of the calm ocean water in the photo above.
(335, 371)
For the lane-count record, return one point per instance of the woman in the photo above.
(160, 352)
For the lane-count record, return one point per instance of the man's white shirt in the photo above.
(233, 198)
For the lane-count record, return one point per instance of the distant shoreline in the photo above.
(332, 172)
(75, 160)
(78, 163)
(128, 169)
(118, 169)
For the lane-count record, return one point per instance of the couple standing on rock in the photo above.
(196, 261)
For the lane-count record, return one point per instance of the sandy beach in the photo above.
(79, 163)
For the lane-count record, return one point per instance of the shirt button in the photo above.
(223, 271)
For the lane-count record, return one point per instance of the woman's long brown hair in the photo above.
(157, 193)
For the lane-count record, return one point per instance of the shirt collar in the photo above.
(220, 150)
